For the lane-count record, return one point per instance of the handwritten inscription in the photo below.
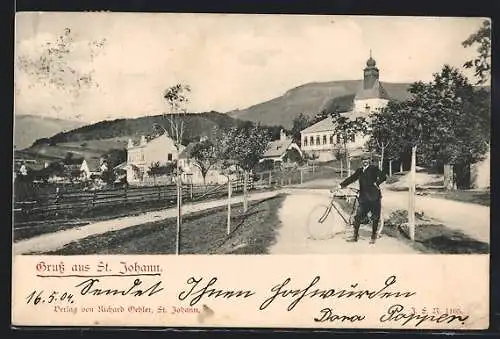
(116, 280)
(398, 314)
(92, 286)
(280, 291)
(196, 294)
(327, 314)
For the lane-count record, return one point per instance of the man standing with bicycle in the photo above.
(370, 177)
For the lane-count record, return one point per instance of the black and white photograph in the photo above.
(251, 134)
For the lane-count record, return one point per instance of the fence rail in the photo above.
(44, 205)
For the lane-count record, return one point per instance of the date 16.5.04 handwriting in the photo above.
(52, 297)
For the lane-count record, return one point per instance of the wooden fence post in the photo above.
(229, 193)
(270, 178)
(125, 194)
(94, 198)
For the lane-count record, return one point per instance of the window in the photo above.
(318, 142)
(338, 138)
(142, 157)
(331, 139)
(311, 139)
(305, 142)
(352, 138)
(169, 157)
(324, 139)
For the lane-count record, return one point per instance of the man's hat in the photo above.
(365, 156)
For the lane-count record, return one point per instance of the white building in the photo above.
(320, 139)
(142, 154)
(281, 151)
(90, 167)
(191, 173)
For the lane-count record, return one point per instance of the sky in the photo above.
(230, 61)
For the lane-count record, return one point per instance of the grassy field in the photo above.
(202, 233)
(433, 238)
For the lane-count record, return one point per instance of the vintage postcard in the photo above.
(245, 170)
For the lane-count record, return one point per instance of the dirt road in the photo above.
(293, 237)
(471, 219)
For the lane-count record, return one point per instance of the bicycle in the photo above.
(319, 229)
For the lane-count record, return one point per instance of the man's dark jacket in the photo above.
(369, 180)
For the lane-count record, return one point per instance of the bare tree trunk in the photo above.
(390, 168)
(401, 166)
(449, 174)
(178, 230)
(341, 168)
(382, 157)
(245, 198)
(348, 159)
(229, 193)
(411, 194)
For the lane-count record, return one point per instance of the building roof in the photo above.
(323, 125)
(137, 141)
(327, 125)
(93, 164)
(277, 148)
(377, 91)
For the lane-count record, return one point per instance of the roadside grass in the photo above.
(201, 233)
(433, 238)
(480, 197)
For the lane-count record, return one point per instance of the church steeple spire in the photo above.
(371, 73)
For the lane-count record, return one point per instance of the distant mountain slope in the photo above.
(29, 128)
(309, 99)
(195, 125)
(97, 139)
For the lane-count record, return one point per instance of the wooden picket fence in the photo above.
(294, 176)
(44, 206)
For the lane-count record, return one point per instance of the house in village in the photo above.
(143, 153)
(92, 167)
(281, 152)
(320, 139)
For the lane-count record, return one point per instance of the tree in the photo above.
(155, 170)
(348, 129)
(339, 154)
(482, 63)
(115, 156)
(300, 123)
(204, 156)
(384, 138)
(243, 148)
(177, 98)
(54, 65)
(441, 120)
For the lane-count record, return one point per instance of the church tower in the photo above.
(371, 95)
(371, 73)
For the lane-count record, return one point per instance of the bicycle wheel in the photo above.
(320, 223)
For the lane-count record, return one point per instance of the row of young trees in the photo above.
(234, 150)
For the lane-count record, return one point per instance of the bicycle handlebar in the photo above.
(336, 194)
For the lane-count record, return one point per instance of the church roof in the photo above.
(377, 91)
